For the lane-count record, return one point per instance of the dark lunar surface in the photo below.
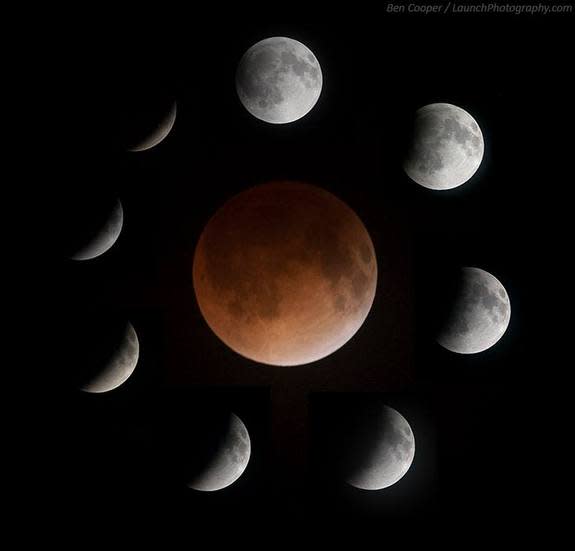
(285, 273)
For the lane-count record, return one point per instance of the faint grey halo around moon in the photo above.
(479, 315)
(104, 237)
(446, 147)
(279, 80)
(120, 366)
(228, 462)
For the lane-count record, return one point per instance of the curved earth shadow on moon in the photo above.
(219, 451)
(477, 315)
(141, 114)
(87, 225)
(363, 443)
(446, 147)
(101, 237)
(153, 128)
(88, 345)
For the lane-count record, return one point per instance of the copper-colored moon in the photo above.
(285, 273)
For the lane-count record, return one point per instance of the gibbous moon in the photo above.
(279, 80)
(228, 460)
(155, 130)
(119, 367)
(479, 315)
(102, 237)
(285, 273)
(378, 448)
(446, 147)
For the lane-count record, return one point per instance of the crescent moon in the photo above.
(120, 366)
(228, 461)
(104, 237)
(380, 449)
(159, 133)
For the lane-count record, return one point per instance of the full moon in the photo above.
(279, 80)
(379, 448)
(479, 315)
(155, 130)
(228, 460)
(285, 273)
(446, 147)
(103, 235)
(120, 365)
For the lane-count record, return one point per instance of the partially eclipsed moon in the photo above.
(446, 147)
(228, 461)
(279, 80)
(285, 273)
(157, 132)
(104, 236)
(120, 366)
(379, 450)
(479, 315)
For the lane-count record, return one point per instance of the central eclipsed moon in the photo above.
(285, 273)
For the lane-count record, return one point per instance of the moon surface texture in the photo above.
(285, 273)
(228, 460)
(446, 147)
(479, 315)
(119, 367)
(279, 80)
(380, 449)
(155, 131)
(102, 237)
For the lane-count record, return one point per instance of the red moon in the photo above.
(285, 273)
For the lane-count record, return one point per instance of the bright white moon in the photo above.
(279, 80)
(446, 148)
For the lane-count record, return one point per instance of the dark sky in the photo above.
(473, 416)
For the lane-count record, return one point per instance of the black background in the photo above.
(87, 459)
